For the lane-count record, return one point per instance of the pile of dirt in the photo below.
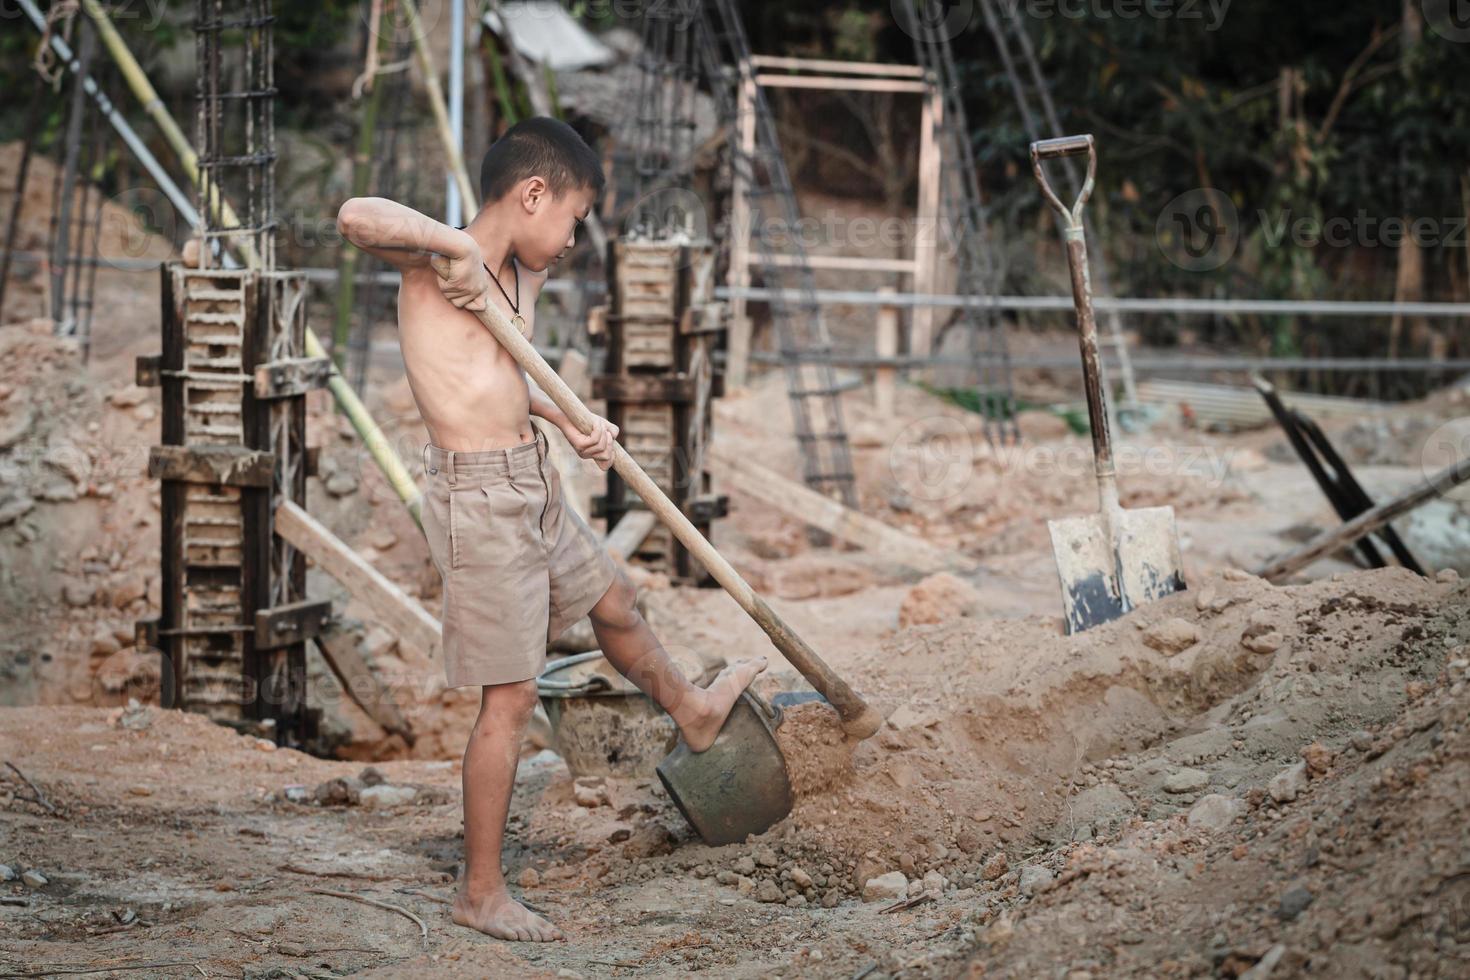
(1006, 738)
(1350, 860)
(73, 474)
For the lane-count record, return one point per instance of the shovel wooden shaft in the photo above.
(858, 717)
(1097, 412)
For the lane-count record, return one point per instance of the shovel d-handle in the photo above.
(1066, 146)
(858, 717)
(1076, 238)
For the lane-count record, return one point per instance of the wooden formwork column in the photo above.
(207, 471)
(659, 385)
(234, 619)
(277, 405)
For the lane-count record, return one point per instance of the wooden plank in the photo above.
(884, 378)
(1215, 404)
(233, 466)
(846, 263)
(926, 242)
(573, 368)
(627, 535)
(293, 376)
(294, 622)
(397, 610)
(829, 515)
(835, 83)
(340, 650)
(1369, 521)
(737, 360)
(596, 321)
(643, 387)
(832, 65)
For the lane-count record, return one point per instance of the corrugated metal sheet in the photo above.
(1231, 407)
(545, 33)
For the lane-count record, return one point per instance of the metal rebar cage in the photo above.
(235, 131)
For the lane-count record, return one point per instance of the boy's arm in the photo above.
(406, 239)
(596, 446)
(398, 234)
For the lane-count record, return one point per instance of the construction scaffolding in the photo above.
(683, 43)
(979, 272)
(1112, 340)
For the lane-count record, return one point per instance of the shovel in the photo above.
(1116, 559)
(748, 727)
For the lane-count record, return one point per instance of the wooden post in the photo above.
(887, 346)
(926, 241)
(737, 361)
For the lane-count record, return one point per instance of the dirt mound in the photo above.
(73, 473)
(1003, 736)
(1352, 866)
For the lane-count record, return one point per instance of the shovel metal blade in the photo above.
(1111, 564)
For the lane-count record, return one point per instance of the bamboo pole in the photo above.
(362, 172)
(502, 84)
(143, 89)
(357, 413)
(437, 107)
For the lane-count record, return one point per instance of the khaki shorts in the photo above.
(519, 566)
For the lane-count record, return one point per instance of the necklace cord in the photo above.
(515, 305)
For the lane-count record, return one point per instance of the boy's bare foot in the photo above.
(707, 715)
(503, 917)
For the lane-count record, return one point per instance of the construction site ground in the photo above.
(1242, 779)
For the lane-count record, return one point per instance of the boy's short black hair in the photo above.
(539, 146)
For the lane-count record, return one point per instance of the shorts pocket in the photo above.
(454, 531)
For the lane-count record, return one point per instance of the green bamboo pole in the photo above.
(437, 106)
(377, 444)
(551, 96)
(502, 84)
(362, 172)
(153, 105)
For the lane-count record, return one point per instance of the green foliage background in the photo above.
(1188, 100)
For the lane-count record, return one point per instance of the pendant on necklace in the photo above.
(519, 322)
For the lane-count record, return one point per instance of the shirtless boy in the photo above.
(518, 566)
